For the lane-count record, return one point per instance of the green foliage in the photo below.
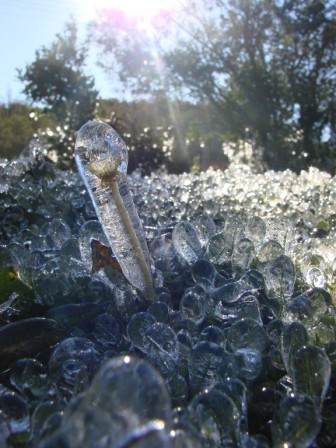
(174, 136)
(18, 124)
(11, 283)
(267, 67)
(56, 80)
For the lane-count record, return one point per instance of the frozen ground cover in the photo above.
(238, 348)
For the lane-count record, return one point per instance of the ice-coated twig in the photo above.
(102, 157)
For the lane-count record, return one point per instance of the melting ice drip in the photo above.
(102, 157)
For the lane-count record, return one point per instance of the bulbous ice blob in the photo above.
(249, 363)
(216, 417)
(161, 347)
(192, 305)
(72, 363)
(30, 378)
(311, 371)
(127, 404)
(242, 255)
(204, 273)
(213, 334)
(279, 275)
(205, 228)
(101, 149)
(255, 230)
(14, 411)
(107, 331)
(293, 337)
(219, 249)
(296, 422)
(137, 327)
(186, 242)
(208, 362)
(237, 391)
(101, 157)
(316, 277)
(247, 333)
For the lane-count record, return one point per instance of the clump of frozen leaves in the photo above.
(238, 348)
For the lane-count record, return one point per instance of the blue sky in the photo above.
(27, 25)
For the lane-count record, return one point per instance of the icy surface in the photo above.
(102, 157)
(238, 348)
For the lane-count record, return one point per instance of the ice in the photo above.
(30, 378)
(126, 403)
(269, 250)
(249, 363)
(213, 334)
(216, 417)
(205, 228)
(107, 331)
(43, 413)
(281, 230)
(206, 365)
(193, 305)
(186, 242)
(90, 230)
(191, 338)
(137, 327)
(233, 228)
(316, 278)
(237, 391)
(70, 255)
(203, 273)
(315, 310)
(229, 293)
(274, 331)
(296, 422)
(73, 361)
(311, 373)
(15, 413)
(102, 158)
(247, 333)
(178, 390)
(279, 275)
(58, 232)
(242, 255)
(160, 310)
(219, 250)
(255, 230)
(293, 337)
(161, 348)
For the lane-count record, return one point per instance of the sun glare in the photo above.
(143, 8)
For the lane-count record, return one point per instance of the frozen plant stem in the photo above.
(102, 157)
